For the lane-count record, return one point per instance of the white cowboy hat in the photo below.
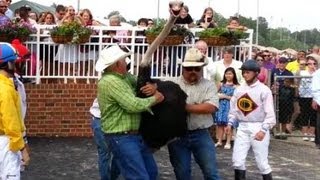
(194, 58)
(111, 55)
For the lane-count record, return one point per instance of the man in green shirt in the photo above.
(120, 114)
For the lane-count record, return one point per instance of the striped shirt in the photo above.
(120, 108)
(204, 91)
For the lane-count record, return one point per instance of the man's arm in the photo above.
(210, 103)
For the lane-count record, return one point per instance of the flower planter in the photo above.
(168, 41)
(61, 39)
(217, 41)
(83, 39)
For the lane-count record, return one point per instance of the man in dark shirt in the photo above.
(280, 71)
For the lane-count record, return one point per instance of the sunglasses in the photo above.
(196, 69)
(312, 63)
(259, 59)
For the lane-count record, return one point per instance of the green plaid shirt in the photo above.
(120, 108)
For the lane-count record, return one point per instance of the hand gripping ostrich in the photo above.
(168, 120)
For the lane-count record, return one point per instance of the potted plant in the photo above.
(62, 34)
(23, 31)
(175, 37)
(12, 30)
(82, 35)
(221, 36)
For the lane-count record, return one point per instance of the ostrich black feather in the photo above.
(168, 120)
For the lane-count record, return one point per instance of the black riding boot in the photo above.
(239, 174)
(267, 176)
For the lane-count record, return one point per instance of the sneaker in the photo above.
(305, 138)
(311, 139)
(227, 146)
(218, 144)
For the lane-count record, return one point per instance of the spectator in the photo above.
(315, 87)
(24, 16)
(234, 24)
(267, 60)
(9, 12)
(184, 17)
(207, 19)
(293, 66)
(117, 35)
(34, 16)
(225, 92)
(217, 68)
(87, 18)
(264, 73)
(308, 116)
(60, 13)
(150, 23)
(3, 8)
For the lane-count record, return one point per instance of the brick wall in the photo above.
(59, 109)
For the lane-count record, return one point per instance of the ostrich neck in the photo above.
(156, 43)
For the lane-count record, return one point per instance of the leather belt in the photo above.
(131, 132)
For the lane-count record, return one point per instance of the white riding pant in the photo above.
(9, 161)
(244, 140)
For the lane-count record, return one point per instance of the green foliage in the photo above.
(176, 30)
(63, 30)
(224, 32)
(72, 29)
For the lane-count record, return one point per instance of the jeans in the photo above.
(201, 145)
(107, 169)
(133, 157)
(317, 133)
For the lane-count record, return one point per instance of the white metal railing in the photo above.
(77, 61)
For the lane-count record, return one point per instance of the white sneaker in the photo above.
(305, 138)
(311, 139)
(227, 146)
(218, 144)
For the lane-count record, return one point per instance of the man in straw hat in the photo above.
(120, 114)
(202, 101)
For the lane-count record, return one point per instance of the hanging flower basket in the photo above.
(168, 41)
(217, 41)
(83, 39)
(61, 39)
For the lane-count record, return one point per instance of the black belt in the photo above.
(131, 132)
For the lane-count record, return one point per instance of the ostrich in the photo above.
(168, 120)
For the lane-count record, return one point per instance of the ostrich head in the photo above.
(175, 7)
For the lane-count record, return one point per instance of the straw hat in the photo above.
(194, 58)
(111, 55)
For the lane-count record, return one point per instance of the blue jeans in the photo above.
(107, 169)
(201, 145)
(133, 157)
